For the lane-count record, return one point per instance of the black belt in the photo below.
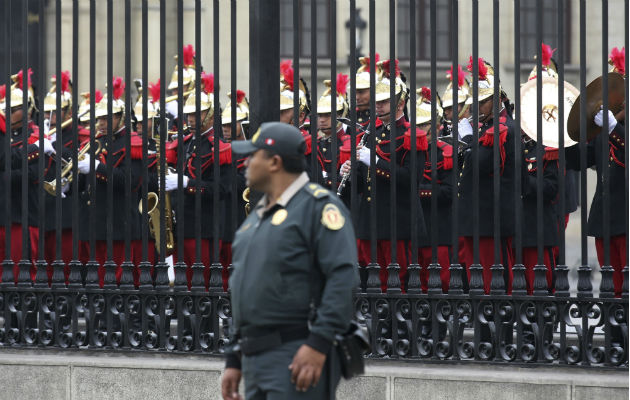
(254, 344)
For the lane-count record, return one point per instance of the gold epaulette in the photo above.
(317, 191)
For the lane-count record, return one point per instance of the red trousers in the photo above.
(530, 259)
(16, 248)
(188, 257)
(100, 256)
(617, 258)
(225, 256)
(50, 248)
(486, 258)
(384, 257)
(444, 259)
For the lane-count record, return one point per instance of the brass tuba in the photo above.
(155, 220)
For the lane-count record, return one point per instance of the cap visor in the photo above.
(243, 147)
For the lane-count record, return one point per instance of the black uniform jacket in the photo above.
(617, 167)
(549, 192)
(400, 161)
(486, 181)
(444, 194)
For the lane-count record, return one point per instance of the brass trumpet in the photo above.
(66, 172)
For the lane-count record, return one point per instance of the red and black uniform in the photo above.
(550, 216)
(444, 195)
(486, 201)
(325, 155)
(171, 149)
(616, 203)
(402, 159)
(50, 215)
(17, 153)
(363, 117)
(202, 181)
(315, 174)
(123, 213)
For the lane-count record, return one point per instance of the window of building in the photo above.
(322, 30)
(423, 29)
(549, 29)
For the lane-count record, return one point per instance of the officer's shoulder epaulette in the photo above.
(422, 143)
(136, 146)
(317, 191)
(225, 153)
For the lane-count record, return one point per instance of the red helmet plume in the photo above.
(98, 96)
(189, 55)
(20, 78)
(208, 82)
(618, 60)
(342, 84)
(118, 87)
(547, 53)
(240, 96)
(154, 90)
(426, 93)
(461, 75)
(286, 69)
(483, 69)
(385, 65)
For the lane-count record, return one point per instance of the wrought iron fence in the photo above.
(81, 267)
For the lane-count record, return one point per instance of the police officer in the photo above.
(297, 244)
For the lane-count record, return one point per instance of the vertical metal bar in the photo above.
(197, 137)
(217, 130)
(433, 145)
(495, 148)
(128, 195)
(353, 108)
(234, 192)
(161, 274)
(412, 117)
(92, 175)
(162, 133)
(561, 284)
(145, 133)
(110, 131)
(313, 127)
(372, 138)
(7, 263)
(393, 104)
(75, 136)
(455, 119)
(539, 146)
(59, 144)
(333, 77)
(25, 80)
(333, 94)
(475, 139)
(181, 152)
(296, 67)
(518, 203)
(585, 286)
(41, 262)
(605, 148)
(626, 157)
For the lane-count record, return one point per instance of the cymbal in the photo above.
(594, 95)
(548, 111)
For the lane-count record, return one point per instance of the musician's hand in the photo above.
(48, 146)
(345, 168)
(599, 119)
(363, 154)
(464, 128)
(171, 182)
(84, 164)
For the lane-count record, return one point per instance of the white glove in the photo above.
(364, 156)
(464, 128)
(64, 190)
(84, 165)
(343, 167)
(48, 147)
(171, 182)
(171, 108)
(325, 174)
(599, 120)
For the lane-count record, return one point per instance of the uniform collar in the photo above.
(285, 197)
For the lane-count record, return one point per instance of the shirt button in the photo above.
(369, 187)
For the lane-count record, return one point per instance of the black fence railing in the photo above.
(117, 222)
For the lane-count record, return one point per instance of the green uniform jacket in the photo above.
(305, 239)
